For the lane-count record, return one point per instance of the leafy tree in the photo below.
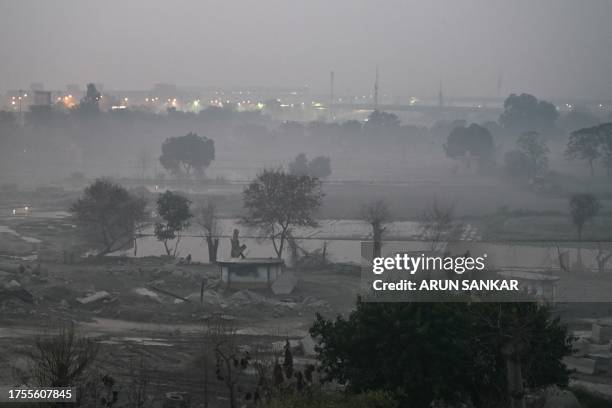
(352, 128)
(493, 127)
(411, 349)
(318, 167)
(525, 113)
(299, 165)
(471, 141)
(382, 126)
(276, 201)
(382, 120)
(173, 209)
(585, 144)
(187, 155)
(535, 151)
(448, 352)
(90, 103)
(376, 214)
(583, 207)
(516, 163)
(110, 212)
(515, 345)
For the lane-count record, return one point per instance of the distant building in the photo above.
(250, 272)
(540, 285)
(41, 98)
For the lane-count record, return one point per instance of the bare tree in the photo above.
(61, 360)
(140, 381)
(436, 223)
(207, 218)
(230, 361)
(583, 208)
(562, 257)
(208, 355)
(376, 214)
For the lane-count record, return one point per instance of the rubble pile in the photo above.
(144, 290)
(593, 351)
(14, 297)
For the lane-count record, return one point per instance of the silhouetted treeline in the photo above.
(53, 142)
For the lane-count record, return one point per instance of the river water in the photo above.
(342, 237)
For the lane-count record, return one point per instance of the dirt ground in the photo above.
(155, 309)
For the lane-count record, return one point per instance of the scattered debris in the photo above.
(147, 293)
(581, 347)
(246, 297)
(209, 297)
(95, 297)
(165, 292)
(12, 285)
(176, 400)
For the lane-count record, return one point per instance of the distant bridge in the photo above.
(428, 109)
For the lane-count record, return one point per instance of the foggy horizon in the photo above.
(549, 48)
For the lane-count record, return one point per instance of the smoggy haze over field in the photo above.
(548, 48)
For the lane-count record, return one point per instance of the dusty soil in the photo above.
(142, 318)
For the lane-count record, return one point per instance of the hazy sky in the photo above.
(545, 47)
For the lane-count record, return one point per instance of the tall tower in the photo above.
(331, 95)
(376, 91)
(440, 97)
